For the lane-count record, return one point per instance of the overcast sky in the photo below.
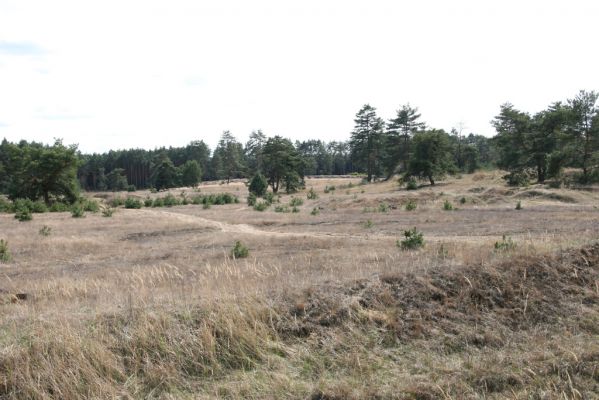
(121, 74)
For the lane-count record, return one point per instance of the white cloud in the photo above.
(147, 73)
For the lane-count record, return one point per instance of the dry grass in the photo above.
(148, 303)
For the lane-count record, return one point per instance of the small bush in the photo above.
(411, 205)
(447, 206)
(519, 205)
(197, 200)
(107, 212)
(383, 207)
(506, 244)
(312, 195)
(116, 201)
(328, 189)
(77, 211)
(23, 214)
(368, 224)
(251, 200)
(283, 208)
(463, 200)
(131, 188)
(23, 203)
(132, 202)
(45, 230)
(39, 207)
(158, 202)
(296, 201)
(258, 185)
(518, 178)
(269, 197)
(261, 205)
(239, 250)
(148, 202)
(413, 240)
(315, 211)
(295, 210)
(5, 205)
(90, 205)
(170, 200)
(59, 207)
(411, 185)
(4, 251)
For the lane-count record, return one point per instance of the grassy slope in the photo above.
(524, 328)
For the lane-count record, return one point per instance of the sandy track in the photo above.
(252, 230)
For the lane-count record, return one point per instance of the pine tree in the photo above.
(398, 137)
(367, 140)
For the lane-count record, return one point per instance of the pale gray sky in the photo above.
(121, 74)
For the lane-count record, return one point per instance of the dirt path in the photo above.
(235, 228)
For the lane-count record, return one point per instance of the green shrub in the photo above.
(261, 205)
(295, 210)
(45, 230)
(258, 185)
(107, 212)
(39, 207)
(411, 205)
(23, 203)
(506, 244)
(4, 251)
(413, 240)
(283, 208)
(148, 202)
(315, 211)
(77, 211)
(131, 188)
(170, 200)
(312, 195)
(296, 201)
(206, 205)
(251, 200)
(23, 214)
(463, 200)
(239, 250)
(368, 224)
(447, 206)
(411, 185)
(59, 207)
(116, 201)
(158, 202)
(132, 202)
(518, 178)
(90, 205)
(328, 189)
(197, 200)
(269, 197)
(519, 205)
(5, 205)
(383, 207)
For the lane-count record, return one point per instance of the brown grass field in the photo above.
(150, 303)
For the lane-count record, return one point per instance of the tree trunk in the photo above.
(430, 178)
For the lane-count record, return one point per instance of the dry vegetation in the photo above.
(150, 303)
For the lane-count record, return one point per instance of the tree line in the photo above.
(529, 146)
(186, 166)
